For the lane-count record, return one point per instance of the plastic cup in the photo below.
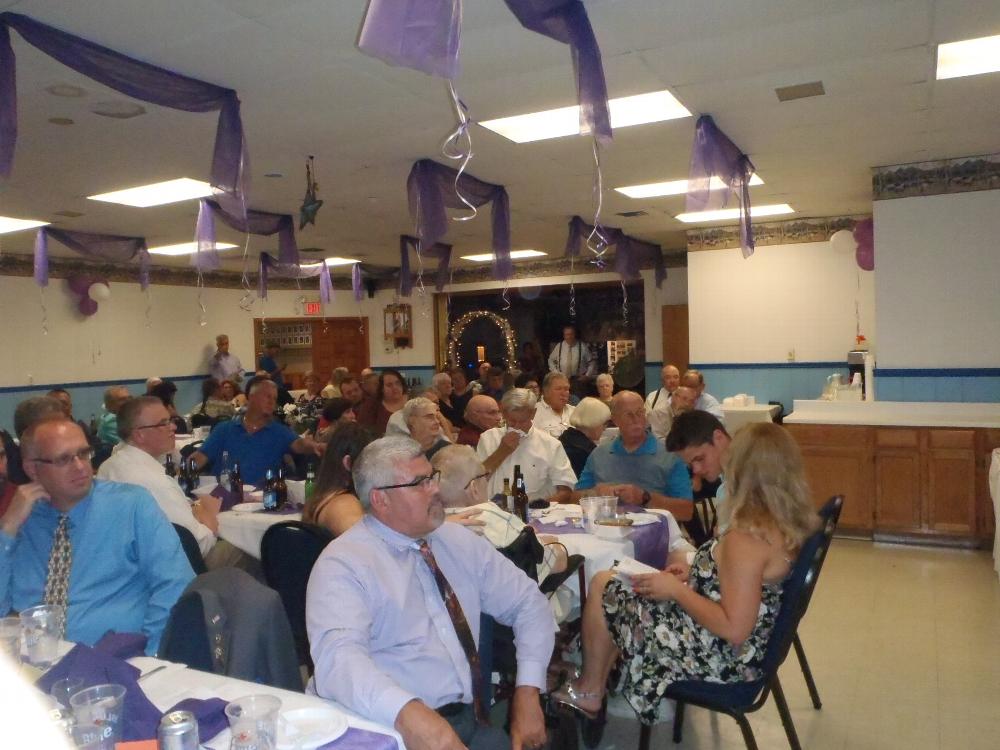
(98, 713)
(253, 721)
(10, 638)
(596, 508)
(42, 627)
(62, 690)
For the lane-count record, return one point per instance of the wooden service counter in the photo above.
(910, 472)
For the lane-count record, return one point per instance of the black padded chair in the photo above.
(741, 698)
(288, 552)
(191, 549)
(830, 513)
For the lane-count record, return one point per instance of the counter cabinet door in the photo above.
(951, 481)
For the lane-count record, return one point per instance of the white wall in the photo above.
(783, 298)
(938, 264)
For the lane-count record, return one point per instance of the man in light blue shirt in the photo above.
(694, 380)
(381, 637)
(128, 568)
(635, 466)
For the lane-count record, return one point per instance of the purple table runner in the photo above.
(650, 540)
(361, 739)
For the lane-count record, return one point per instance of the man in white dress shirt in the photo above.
(573, 358)
(694, 380)
(658, 401)
(554, 410)
(147, 433)
(543, 461)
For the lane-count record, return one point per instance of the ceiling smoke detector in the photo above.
(800, 91)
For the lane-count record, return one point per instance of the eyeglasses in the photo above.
(161, 423)
(476, 478)
(61, 462)
(422, 482)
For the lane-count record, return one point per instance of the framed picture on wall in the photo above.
(399, 325)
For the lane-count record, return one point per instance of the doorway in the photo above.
(315, 344)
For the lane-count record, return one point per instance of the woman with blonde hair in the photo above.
(711, 621)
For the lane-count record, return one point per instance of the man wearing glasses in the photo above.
(103, 550)
(393, 608)
(147, 433)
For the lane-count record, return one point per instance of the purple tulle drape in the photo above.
(439, 251)
(566, 21)
(431, 188)
(269, 265)
(135, 79)
(714, 155)
(864, 235)
(206, 258)
(356, 281)
(418, 34)
(97, 246)
(631, 253)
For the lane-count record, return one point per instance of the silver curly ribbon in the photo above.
(624, 303)
(246, 301)
(597, 242)
(458, 147)
(572, 288)
(149, 307)
(505, 301)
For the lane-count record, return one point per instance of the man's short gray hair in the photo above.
(517, 399)
(458, 464)
(128, 415)
(378, 464)
(619, 399)
(552, 377)
(415, 405)
(590, 413)
(259, 383)
(439, 378)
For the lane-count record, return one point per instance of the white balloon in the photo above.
(99, 291)
(843, 241)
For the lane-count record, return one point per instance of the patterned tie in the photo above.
(60, 562)
(462, 630)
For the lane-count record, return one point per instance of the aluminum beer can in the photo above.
(178, 731)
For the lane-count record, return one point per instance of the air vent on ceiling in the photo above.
(118, 110)
(69, 214)
(799, 91)
(632, 214)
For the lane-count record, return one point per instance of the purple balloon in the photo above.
(87, 306)
(80, 283)
(864, 235)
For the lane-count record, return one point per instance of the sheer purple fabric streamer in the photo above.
(440, 251)
(133, 78)
(420, 34)
(256, 222)
(864, 235)
(630, 252)
(356, 281)
(566, 21)
(270, 265)
(431, 189)
(104, 246)
(714, 155)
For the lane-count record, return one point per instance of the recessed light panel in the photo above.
(10, 224)
(673, 187)
(728, 214)
(514, 254)
(337, 261)
(969, 58)
(186, 248)
(157, 194)
(556, 123)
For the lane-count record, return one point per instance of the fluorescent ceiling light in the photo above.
(10, 224)
(186, 248)
(157, 194)
(514, 254)
(969, 58)
(556, 123)
(674, 187)
(776, 209)
(335, 261)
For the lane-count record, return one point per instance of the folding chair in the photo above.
(191, 549)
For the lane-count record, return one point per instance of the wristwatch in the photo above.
(645, 498)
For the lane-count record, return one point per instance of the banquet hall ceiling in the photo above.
(306, 89)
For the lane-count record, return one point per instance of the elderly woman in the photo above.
(332, 389)
(450, 407)
(710, 621)
(586, 425)
(389, 398)
(422, 421)
(310, 404)
(333, 503)
(605, 387)
(214, 405)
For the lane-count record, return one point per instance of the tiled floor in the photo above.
(904, 643)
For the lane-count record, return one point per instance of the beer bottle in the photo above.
(508, 496)
(169, 466)
(270, 493)
(310, 481)
(236, 483)
(280, 488)
(520, 495)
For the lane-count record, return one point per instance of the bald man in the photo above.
(658, 401)
(481, 414)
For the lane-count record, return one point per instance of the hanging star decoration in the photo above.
(310, 204)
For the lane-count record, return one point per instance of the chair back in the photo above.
(185, 638)
(830, 514)
(288, 552)
(526, 552)
(190, 448)
(191, 549)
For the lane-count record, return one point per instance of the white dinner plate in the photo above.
(309, 728)
(248, 508)
(642, 519)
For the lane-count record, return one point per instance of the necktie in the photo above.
(462, 630)
(60, 562)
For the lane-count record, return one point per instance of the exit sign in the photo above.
(312, 308)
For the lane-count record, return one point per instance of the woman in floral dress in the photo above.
(711, 621)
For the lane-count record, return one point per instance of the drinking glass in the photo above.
(42, 627)
(10, 638)
(98, 713)
(64, 689)
(253, 720)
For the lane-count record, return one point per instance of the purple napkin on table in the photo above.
(141, 717)
(229, 499)
(122, 645)
(361, 739)
(210, 715)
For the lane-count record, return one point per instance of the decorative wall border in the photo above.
(964, 174)
(789, 232)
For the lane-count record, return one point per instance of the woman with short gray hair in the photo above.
(586, 425)
(423, 419)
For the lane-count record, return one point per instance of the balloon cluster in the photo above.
(90, 290)
(860, 241)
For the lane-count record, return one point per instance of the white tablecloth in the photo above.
(735, 417)
(995, 494)
(245, 530)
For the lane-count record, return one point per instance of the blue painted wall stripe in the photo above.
(92, 384)
(952, 372)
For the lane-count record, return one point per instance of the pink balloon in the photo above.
(87, 306)
(864, 235)
(80, 283)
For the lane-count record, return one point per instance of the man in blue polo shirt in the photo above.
(255, 440)
(635, 466)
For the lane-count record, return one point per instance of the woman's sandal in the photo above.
(570, 697)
